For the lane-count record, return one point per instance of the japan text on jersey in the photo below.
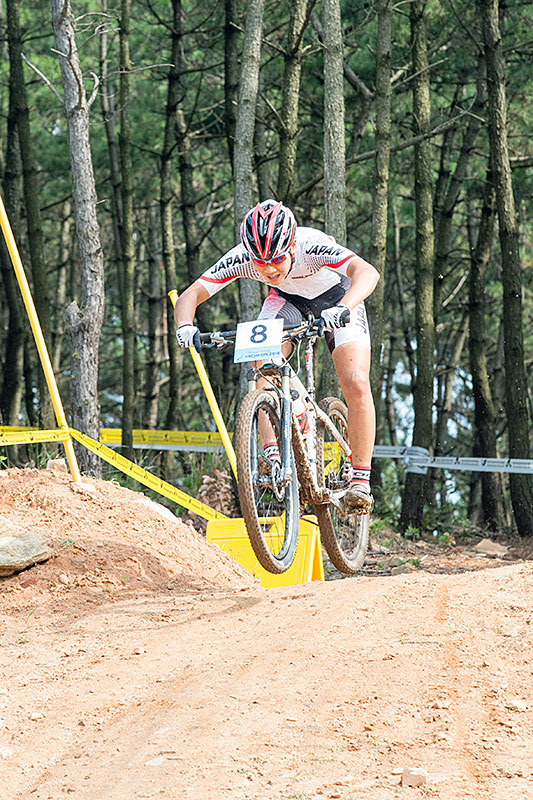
(318, 263)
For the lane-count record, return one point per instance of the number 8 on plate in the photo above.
(258, 340)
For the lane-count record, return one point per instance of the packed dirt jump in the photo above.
(142, 662)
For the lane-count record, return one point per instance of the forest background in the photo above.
(135, 135)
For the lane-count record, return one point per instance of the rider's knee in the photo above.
(357, 386)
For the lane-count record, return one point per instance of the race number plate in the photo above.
(258, 340)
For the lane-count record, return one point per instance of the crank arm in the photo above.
(335, 498)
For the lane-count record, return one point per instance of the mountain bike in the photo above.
(313, 467)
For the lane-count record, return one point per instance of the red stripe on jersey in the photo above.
(218, 280)
(340, 263)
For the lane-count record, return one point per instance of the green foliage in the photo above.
(412, 533)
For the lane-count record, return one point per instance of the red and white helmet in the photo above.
(268, 230)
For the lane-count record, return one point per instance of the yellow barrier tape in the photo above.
(150, 437)
(146, 478)
(33, 436)
(13, 428)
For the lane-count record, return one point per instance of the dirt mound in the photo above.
(107, 542)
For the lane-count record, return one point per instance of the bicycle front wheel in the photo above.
(269, 503)
(344, 536)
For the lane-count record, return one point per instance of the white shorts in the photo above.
(293, 309)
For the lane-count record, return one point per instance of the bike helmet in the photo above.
(268, 230)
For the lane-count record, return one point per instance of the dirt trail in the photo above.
(187, 680)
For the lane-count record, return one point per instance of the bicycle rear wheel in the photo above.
(345, 537)
(270, 508)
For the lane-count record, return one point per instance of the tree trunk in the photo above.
(446, 149)
(378, 247)
(41, 297)
(231, 71)
(83, 322)
(334, 152)
(446, 389)
(492, 508)
(263, 165)
(404, 321)
(11, 396)
(29, 404)
(127, 300)
(334, 147)
(63, 270)
(515, 374)
(167, 233)
(416, 484)
(444, 212)
(250, 292)
(107, 105)
(290, 98)
(154, 293)
(11, 393)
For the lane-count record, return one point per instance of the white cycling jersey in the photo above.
(318, 265)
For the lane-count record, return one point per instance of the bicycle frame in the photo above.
(289, 424)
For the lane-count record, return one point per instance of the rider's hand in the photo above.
(335, 317)
(185, 335)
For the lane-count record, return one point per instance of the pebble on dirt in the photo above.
(414, 776)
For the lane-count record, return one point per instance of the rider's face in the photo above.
(274, 273)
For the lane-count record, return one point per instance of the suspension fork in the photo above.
(310, 386)
(286, 423)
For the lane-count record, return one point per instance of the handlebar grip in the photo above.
(345, 318)
(197, 341)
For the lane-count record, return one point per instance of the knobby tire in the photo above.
(260, 499)
(344, 537)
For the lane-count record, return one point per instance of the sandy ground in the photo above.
(141, 662)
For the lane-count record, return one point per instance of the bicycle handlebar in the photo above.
(307, 329)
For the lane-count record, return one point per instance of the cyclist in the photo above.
(307, 271)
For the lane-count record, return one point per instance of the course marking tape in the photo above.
(415, 458)
(166, 438)
(146, 478)
(13, 428)
(32, 436)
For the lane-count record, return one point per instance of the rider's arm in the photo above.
(364, 278)
(188, 302)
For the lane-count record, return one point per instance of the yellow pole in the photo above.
(39, 341)
(204, 378)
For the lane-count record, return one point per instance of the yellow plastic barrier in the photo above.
(146, 478)
(32, 436)
(230, 535)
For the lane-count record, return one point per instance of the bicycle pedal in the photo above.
(358, 512)
(335, 498)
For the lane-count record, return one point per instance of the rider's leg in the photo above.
(352, 364)
(266, 431)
